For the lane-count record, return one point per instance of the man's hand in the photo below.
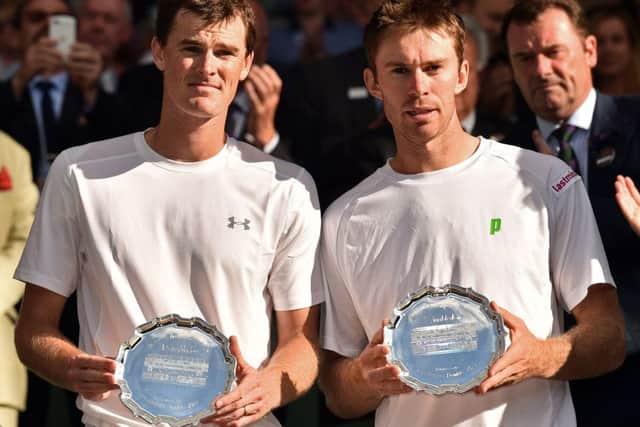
(85, 65)
(378, 374)
(263, 85)
(248, 402)
(594, 346)
(47, 352)
(356, 386)
(628, 199)
(40, 57)
(525, 358)
(91, 376)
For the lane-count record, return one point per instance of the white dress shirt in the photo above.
(579, 141)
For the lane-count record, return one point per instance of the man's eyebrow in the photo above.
(437, 61)
(191, 41)
(395, 64)
(525, 53)
(219, 44)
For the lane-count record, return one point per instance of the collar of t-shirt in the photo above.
(581, 119)
(59, 83)
(441, 175)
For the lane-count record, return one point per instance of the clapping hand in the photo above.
(628, 199)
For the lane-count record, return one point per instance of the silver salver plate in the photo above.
(173, 368)
(444, 340)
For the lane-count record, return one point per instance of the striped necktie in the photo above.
(563, 135)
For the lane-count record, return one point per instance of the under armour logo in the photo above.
(233, 223)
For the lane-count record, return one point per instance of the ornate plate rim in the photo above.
(447, 289)
(158, 322)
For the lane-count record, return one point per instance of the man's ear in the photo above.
(157, 51)
(371, 83)
(591, 50)
(248, 62)
(463, 77)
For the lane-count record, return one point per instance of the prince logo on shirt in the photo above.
(495, 225)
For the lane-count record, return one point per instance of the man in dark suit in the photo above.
(53, 101)
(474, 120)
(552, 54)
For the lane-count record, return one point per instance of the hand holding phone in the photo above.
(62, 29)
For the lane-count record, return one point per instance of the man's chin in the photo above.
(202, 109)
(550, 108)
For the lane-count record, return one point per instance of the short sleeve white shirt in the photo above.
(228, 239)
(394, 233)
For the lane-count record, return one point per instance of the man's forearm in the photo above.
(47, 353)
(593, 347)
(586, 350)
(344, 387)
(293, 368)
(596, 345)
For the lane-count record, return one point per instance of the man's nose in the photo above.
(210, 63)
(419, 82)
(543, 65)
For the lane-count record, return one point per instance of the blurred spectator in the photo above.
(489, 14)
(463, 7)
(252, 112)
(107, 26)
(618, 68)
(140, 46)
(9, 40)
(475, 121)
(338, 131)
(18, 197)
(311, 33)
(360, 11)
(497, 96)
(496, 80)
(552, 54)
(53, 102)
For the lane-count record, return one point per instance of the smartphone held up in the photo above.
(62, 29)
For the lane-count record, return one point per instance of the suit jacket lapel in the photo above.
(605, 141)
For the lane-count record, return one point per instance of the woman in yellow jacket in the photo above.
(18, 198)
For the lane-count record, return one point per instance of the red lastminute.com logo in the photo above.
(564, 181)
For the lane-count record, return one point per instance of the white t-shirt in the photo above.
(510, 223)
(227, 239)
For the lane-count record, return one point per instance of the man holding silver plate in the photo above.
(449, 224)
(174, 239)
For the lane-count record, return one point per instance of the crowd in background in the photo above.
(311, 96)
(304, 100)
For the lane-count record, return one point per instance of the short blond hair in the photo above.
(410, 15)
